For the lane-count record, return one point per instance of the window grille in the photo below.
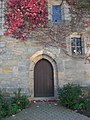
(76, 46)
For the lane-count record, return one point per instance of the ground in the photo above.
(84, 112)
(47, 111)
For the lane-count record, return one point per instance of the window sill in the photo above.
(50, 23)
(78, 56)
(63, 22)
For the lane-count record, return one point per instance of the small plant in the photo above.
(69, 95)
(88, 104)
(79, 106)
(13, 109)
(21, 100)
(85, 94)
(0, 111)
(13, 105)
(3, 106)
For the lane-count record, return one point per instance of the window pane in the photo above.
(73, 42)
(73, 50)
(76, 46)
(78, 41)
(56, 9)
(79, 50)
(56, 13)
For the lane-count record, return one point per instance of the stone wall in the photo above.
(17, 61)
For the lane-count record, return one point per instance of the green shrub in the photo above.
(0, 105)
(69, 95)
(85, 94)
(0, 111)
(13, 105)
(21, 100)
(13, 109)
(88, 104)
(3, 106)
(79, 106)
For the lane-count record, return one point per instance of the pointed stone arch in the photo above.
(33, 60)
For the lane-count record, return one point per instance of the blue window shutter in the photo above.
(56, 13)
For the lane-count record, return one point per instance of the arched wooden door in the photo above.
(43, 79)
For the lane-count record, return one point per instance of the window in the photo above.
(56, 13)
(76, 46)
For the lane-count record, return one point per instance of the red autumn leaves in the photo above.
(22, 16)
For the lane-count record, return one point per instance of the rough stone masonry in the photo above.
(18, 60)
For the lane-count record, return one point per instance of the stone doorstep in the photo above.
(43, 99)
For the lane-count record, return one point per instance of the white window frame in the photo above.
(77, 36)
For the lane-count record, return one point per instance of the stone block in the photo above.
(15, 70)
(6, 70)
(87, 75)
(2, 44)
(10, 62)
(11, 44)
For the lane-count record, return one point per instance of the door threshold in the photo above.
(41, 99)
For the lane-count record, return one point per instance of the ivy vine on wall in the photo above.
(22, 16)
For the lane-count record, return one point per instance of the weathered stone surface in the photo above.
(2, 44)
(17, 70)
(18, 59)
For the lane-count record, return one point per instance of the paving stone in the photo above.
(47, 112)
